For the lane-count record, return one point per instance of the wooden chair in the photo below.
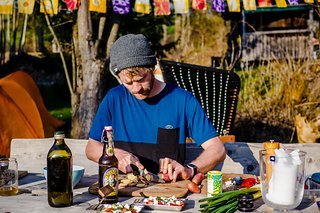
(217, 91)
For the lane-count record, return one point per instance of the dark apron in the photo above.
(149, 154)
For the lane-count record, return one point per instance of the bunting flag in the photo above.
(142, 6)
(309, 1)
(49, 6)
(293, 2)
(264, 3)
(121, 6)
(99, 6)
(73, 4)
(234, 5)
(219, 5)
(26, 6)
(181, 6)
(199, 4)
(281, 3)
(6, 6)
(249, 4)
(162, 7)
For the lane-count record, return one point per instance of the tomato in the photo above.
(248, 182)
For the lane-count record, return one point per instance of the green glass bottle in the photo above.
(59, 173)
(108, 166)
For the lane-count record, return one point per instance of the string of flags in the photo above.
(161, 7)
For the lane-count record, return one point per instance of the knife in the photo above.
(150, 176)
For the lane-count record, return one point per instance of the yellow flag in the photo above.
(249, 4)
(6, 6)
(281, 3)
(98, 6)
(309, 1)
(26, 6)
(142, 6)
(49, 6)
(181, 6)
(234, 5)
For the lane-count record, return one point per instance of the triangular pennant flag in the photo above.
(162, 7)
(309, 1)
(199, 4)
(281, 3)
(49, 6)
(6, 6)
(142, 6)
(181, 6)
(249, 4)
(98, 6)
(264, 3)
(73, 4)
(293, 2)
(121, 6)
(234, 5)
(26, 6)
(219, 5)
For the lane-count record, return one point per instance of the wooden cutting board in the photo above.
(177, 189)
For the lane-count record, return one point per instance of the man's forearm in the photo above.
(212, 155)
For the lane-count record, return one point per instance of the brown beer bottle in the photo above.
(59, 173)
(108, 166)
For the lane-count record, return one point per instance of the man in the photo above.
(151, 119)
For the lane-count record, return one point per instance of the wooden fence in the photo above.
(270, 45)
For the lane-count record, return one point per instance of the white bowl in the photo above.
(77, 173)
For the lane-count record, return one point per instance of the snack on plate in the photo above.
(121, 208)
(166, 201)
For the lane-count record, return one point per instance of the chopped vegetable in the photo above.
(120, 208)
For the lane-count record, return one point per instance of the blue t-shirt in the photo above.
(172, 115)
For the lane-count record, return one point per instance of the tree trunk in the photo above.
(88, 73)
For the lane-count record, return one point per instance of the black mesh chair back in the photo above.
(216, 90)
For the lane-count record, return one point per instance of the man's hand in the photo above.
(174, 169)
(126, 159)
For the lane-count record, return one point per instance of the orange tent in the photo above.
(22, 111)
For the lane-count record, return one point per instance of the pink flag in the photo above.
(73, 4)
(162, 7)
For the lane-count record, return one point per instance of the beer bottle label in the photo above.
(110, 178)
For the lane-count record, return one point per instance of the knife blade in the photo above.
(150, 176)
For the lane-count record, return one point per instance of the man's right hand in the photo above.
(126, 159)
(94, 150)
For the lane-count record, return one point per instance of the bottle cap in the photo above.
(59, 135)
(108, 128)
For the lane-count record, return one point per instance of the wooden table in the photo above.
(31, 156)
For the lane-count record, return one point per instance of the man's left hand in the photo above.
(174, 169)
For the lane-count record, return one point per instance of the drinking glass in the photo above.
(8, 176)
(282, 178)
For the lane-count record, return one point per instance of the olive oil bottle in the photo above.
(108, 166)
(59, 173)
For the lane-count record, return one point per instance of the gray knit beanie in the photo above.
(131, 51)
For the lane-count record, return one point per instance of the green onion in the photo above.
(225, 201)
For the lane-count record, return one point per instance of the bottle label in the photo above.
(110, 178)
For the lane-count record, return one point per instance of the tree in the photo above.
(89, 70)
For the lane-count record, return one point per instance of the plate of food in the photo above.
(120, 208)
(164, 203)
